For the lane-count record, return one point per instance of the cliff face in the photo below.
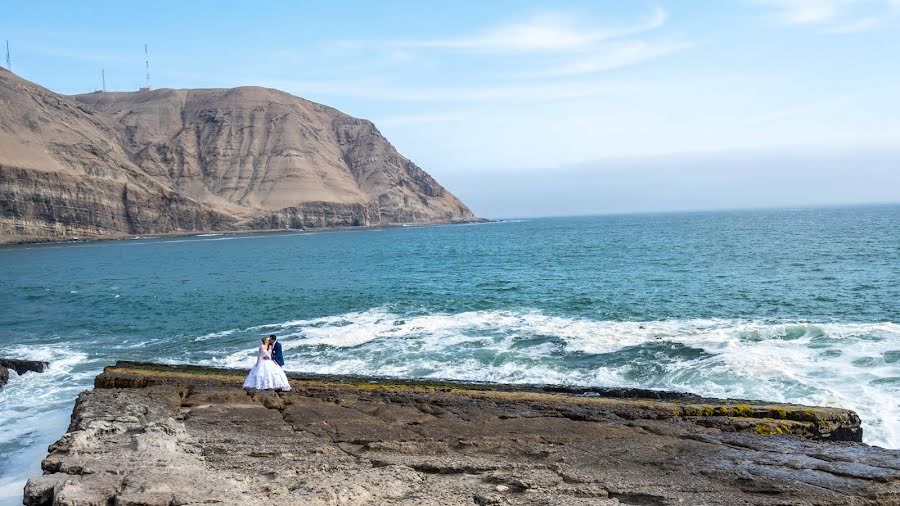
(151, 434)
(64, 173)
(274, 159)
(198, 160)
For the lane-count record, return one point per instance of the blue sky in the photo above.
(467, 88)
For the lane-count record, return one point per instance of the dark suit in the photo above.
(277, 355)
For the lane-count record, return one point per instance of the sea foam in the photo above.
(36, 409)
(834, 364)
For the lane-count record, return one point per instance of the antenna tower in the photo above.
(103, 76)
(8, 63)
(147, 66)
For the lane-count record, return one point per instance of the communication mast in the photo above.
(103, 77)
(147, 68)
(8, 63)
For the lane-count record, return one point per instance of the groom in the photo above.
(277, 356)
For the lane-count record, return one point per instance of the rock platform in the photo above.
(164, 435)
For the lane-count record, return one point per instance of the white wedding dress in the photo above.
(266, 374)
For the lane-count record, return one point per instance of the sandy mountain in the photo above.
(198, 160)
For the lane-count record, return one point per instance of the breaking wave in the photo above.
(37, 408)
(852, 365)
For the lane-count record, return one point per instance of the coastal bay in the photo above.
(450, 253)
(709, 303)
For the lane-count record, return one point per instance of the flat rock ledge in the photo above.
(171, 435)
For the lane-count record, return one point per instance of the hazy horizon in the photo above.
(849, 205)
(776, 207)
(684, 182)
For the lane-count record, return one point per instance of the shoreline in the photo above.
(4, 241)
(120, 237)
(163, 434)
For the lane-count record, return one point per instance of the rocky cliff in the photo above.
(162, 161)
(151, 434)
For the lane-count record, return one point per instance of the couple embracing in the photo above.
(268, 374)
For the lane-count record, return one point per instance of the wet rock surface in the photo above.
(162, 435)
(23, 366)
(20, 367)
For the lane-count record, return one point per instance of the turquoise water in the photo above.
(799, 305)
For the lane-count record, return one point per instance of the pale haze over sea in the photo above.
(688, 182)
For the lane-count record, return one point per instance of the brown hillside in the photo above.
(198, 160)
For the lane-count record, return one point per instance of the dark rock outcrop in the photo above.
(176, 161)
(23, 366)
(20, 366)
(151, 434)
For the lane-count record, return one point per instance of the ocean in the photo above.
(792, 305)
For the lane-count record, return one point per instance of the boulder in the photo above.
(23, 366)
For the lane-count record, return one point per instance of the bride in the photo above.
(266, 374)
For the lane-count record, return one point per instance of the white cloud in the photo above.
(400, 56)
(833, 16)
(806, 11)
(612, 56)
(861, 25)
(562, 46)
(545, 32)
(87, 55)
(501, 93)
(425, 119)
